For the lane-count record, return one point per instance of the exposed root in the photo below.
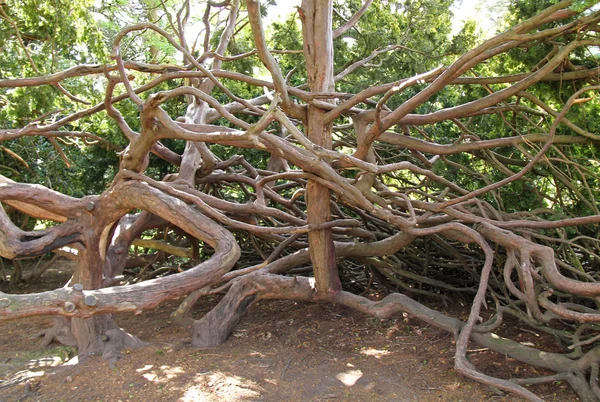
(101, 336)
(60, 332)
(216, 326)
(491, 191)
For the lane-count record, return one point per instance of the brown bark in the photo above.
(403, 214)
(318, 50)
(215, 327)
(99, 334)
(123, 197)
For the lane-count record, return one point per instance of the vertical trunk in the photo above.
(99, 334)
(318, 50)
(88, 331)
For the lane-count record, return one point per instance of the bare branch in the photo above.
(352, 21)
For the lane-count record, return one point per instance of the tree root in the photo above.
(60, 332)
(215, 327)
(100, 335)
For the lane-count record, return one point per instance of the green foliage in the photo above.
(55, 36)
(59, 35)
(38, 38)
(582, 5)
(53, 33)
(288, 35)
(419, 30)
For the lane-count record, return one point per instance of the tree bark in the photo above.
(318, 51)
(215, 327)
(99, 334)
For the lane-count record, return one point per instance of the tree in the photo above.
(457, 172)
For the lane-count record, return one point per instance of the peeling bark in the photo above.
(386, 197)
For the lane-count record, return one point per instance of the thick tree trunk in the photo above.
(99, 334)
(318, 50)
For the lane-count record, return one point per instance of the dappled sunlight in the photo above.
(31, 369)
(73, 362)
(225, 386)
(145, 368)
(195, 393)
(160, 374)
(350, 377)
(377, 353)
(70, 250)
(417, 173)
(49, 361)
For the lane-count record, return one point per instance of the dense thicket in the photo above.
(355, 145)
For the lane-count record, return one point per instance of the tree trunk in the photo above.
(318, 51)
(215, 326)
(99, 334)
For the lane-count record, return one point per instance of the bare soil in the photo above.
(281, 351)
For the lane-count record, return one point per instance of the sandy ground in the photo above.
(281, 351)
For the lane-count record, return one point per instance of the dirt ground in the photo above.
(281, 351)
